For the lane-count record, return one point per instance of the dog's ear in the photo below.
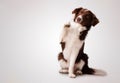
(95, 20)
(75, 11)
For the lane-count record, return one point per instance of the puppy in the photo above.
(72, 59)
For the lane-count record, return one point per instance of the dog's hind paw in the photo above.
(78, 72)
(64, 71)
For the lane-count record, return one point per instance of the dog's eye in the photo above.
(78, 19)
(87, 16)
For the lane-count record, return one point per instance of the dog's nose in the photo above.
(79, 19)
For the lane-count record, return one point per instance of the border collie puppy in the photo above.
(72, 59)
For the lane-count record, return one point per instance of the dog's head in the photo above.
(85, 17)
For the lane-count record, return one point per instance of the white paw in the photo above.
(78, 72)
(64, 71)
(72, 75)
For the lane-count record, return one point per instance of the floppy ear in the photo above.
(95, 20)
(75, 11)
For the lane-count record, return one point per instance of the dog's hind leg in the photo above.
(63, 63)
(79, 66)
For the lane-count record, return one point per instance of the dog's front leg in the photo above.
(75, 50)
(72, 62)
(71, 67)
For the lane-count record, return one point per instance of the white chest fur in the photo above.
(72, 42)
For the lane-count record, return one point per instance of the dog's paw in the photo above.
(71, 75)
(78, 72)
(64, 71)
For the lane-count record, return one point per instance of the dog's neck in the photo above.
(83, 33)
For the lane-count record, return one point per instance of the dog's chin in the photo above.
(75, 24)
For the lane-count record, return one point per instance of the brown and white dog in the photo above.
(72, 59)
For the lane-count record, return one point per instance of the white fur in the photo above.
(74, 30)
(63, 64)
(73, 44)
(65, 71)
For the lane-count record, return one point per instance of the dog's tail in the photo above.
(91, 71)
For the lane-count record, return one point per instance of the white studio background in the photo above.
(29, 40)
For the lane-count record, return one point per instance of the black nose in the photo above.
(79, 19)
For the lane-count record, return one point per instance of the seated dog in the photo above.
(72, 59)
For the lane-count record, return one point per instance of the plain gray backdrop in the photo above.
(29, 40)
